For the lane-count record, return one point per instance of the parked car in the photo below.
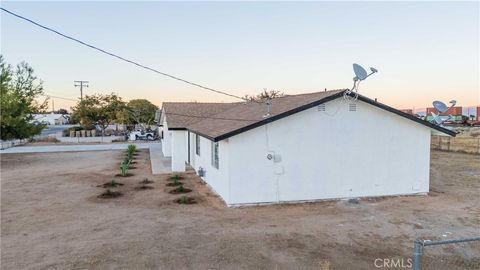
(148, 135)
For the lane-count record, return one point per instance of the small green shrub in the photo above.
(176, 182)
(180, 189)
(109, 194)
(176, 177)
(123, 169)
(131, 148)
(113, 183)
(183, 200)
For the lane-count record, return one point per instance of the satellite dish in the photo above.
(440, 106)
(360, 72)
(360, 75)
(436, 118)
(453, 102)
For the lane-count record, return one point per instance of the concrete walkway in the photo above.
(160, 164)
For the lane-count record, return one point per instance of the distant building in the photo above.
(478, 113)
(409, 111)
(455, 112)
(51, 119)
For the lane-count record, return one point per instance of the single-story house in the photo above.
(303, 147)
(51, 119)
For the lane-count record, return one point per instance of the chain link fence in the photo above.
(447, 254)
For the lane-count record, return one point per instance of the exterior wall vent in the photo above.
(352, 107)
(201, 172)
(321, 107)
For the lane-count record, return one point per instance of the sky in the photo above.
(424, 51)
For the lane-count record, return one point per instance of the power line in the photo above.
(119, 57)
(178, 114)
(48, 95)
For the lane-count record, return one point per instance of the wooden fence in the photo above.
(464, 144)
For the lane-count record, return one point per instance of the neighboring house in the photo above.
(311, 147)
(51, 119)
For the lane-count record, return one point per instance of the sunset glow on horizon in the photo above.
(424, 51)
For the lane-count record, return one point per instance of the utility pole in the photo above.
(81, 84)
(53, 106)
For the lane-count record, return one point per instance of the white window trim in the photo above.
(197, 145)
(215, 157)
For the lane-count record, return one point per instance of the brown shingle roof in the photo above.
(181, 114)
(242, 117)
(218, 121)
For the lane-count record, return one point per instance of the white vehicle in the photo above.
(142, 135)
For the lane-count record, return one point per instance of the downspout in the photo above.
(188, 138)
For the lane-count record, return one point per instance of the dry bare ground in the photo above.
(51, 218)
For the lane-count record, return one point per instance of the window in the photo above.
(197, 144)
(215, 154)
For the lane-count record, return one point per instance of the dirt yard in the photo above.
(51, 218)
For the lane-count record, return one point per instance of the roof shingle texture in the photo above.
(217, 119)
(182, 114)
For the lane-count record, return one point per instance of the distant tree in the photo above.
(265, 95)
(61, 111)
(140, 111)
(98, 109)
(19, 91)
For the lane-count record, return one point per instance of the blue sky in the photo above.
(423, 50)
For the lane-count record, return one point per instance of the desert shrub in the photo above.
(124, 169)
(113, 183)
(180, 189)
(146, 181)
(176, 177)
(129, 156)
(176, 182)
(131, 148)
(183, 200)
(109, 194)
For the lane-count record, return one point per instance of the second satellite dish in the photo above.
(360, 72)
(440, 106)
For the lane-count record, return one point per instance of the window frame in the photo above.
(197, 144)
(215, 157)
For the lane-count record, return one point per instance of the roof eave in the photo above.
(277, 117)
(408, 116)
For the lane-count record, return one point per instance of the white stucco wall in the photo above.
(321, 155)
(217, 179)
(179, 150)
(167, 140)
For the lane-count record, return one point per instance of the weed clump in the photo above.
(109, 194)
(185, 200)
